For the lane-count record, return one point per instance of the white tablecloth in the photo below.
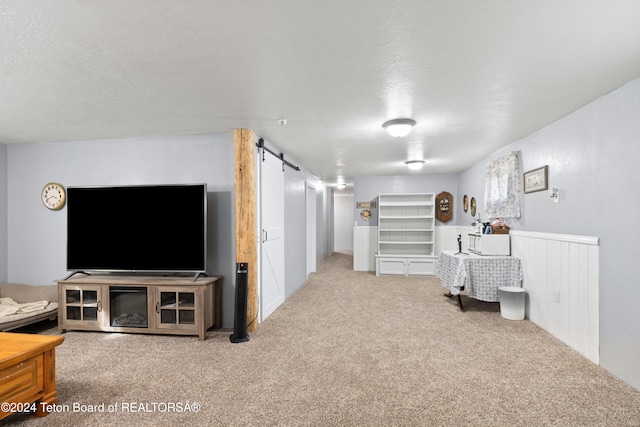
(479, 275)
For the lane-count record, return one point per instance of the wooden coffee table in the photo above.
(27, 373)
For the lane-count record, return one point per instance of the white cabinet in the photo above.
(406, 231)
(405, 266)
(393, 266)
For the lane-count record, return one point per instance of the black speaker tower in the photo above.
(240, 317)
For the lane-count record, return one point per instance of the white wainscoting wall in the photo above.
(365, 246)
(447, 238)
(561, 277)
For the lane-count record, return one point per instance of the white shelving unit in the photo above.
(406, 234)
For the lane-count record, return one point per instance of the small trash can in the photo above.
(511, 302)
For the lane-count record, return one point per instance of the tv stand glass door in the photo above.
(176, 307)
(82, 305)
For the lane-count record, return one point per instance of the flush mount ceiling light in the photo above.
(342, 186)
(414, 164)
(399, 127)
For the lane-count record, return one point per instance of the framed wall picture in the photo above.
(536, 179)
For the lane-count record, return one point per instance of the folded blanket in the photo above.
(8, 306)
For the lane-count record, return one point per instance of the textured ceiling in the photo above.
(475, 75)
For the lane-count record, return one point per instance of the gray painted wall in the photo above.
(37, 237)
(367, 188)
(3, 213)
(593, 156)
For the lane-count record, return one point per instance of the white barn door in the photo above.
(272, 237)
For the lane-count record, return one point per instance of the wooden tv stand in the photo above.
(140, 304)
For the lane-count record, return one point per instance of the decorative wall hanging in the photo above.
(536, 179)
(473, 207)
(365, 214)
(444, 206)
(362, 205)
(465, 203)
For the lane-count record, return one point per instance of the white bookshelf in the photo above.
(406, 234)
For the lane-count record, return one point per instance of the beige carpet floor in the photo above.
(349, 348)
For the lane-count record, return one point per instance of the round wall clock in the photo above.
(53, 196)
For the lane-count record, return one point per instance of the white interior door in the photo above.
(310, 197)
(343, 223)
(272, 237)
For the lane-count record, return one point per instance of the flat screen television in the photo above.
(139, 228)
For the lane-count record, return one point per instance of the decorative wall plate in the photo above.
(473, 207)
(444, 206)
(465, 203)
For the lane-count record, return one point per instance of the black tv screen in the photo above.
(142, 228)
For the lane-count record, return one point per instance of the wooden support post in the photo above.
(245, 206)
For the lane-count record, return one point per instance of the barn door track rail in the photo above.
(260, 144)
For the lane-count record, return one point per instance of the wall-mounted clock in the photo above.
(53, 196)
(444, 206)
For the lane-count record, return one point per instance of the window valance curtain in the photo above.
(502, 188)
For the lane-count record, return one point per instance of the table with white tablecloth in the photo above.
(479, 275)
